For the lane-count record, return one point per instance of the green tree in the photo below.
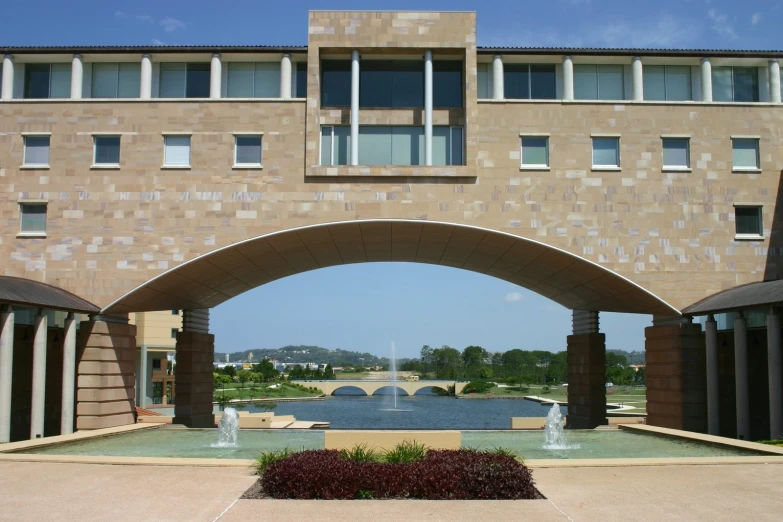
(266, 369)
(640, 379)
(230, 370)
(557, 371)
(328, 372)
(426, 358)
(244, 376)
(474, 358)
(447, 362)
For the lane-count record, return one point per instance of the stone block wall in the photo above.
(193, 380)
(586, 381)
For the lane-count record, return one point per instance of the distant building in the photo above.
(156, 345)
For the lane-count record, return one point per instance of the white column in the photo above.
(215, 76)
(774, 81)
(7, 89)
(6, 367)
(497, 78)
(775, 366)
(706, 80)
(741, 376)
(713, 403)
(428, 107)
(142, 402)
(355, 108)
(77, 76)
(285, 77)
(69, 376)
(145, 87)
(568, 78)
(638, 78)
(39, 376)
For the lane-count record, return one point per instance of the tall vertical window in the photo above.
(676, 153)
(176, 151)
(336, 83)
(745, 153)
(599, 82)
(174, 332)
(115, 80)
(247, 151)
(387, 83)
(737, 84)
(107, 151)
(36, 151)
(667, 82)
(484, 81)
(529, 81)
(47, 80)
(447, 84)
(606, 153)
(747, 219)
(254, 80)
(32, 218)
(300, 80)
(184, 80)
(335, 145)
(535, 152)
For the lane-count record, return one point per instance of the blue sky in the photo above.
(365, 307)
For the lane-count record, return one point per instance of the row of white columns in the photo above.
(637, 69)
(145, 87)
(39, 374)
(775, 372)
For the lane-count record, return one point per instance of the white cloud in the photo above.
(513, 297)
(720, 24)
(171, 24)
(756, 18)
(155, 41)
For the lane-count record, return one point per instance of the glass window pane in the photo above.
(326, 145)
(60, 81)
(585, 82)
(385, 83)
(441, 141)
(675, 153)
(336, 83)
(407, 145)
(267, 80)
(36, 81)
(746, 84)
(678, 83)
(745, 153)
(172, 80)
(375, 145)
(36, 150)
(721, 84)
(248, 150)
(606, 152)
(542, 81)
(129, 80)
(300, 84)
(177, 150)
(654, 82)
(748, 220)
(197, 80)
(457, 147)
(33, 218)
(342, 145)
(107, 150)
(376, 84)
(105, 78)
(535, 151)
(484, 73)
(447, 84)
(240, 80)
(516, 81)
(610, 82)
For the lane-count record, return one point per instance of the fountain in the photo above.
(228, 428)
(554, 435)
(393, 367)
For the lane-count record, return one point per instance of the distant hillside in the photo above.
(308, 354)
(633, 357)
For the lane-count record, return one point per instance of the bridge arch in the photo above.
(347, 387)
(388, 389)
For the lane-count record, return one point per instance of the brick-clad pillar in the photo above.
(105, 373)
(586, 372)
(676, 375)
(193, 371)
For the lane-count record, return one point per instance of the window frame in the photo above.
(119, 65)
(757, 78)
(597, 73)
(36, 166)
(529, 67)
(33, 203)
(174, 332)
(666, 85)
(260, 136)
(600, 167)
(188, 135)
(533, 166)
(757, 168)
(760, 217)
(676, 168)
(255, 64)
(95, 164)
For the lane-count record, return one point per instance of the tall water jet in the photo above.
(393, 368)
(228, 428)
(554, 435)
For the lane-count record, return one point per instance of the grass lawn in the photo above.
(351, 376)
(261, 392)
(629, 396)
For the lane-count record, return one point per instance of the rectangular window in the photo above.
(115, 80)
(484, 81)
(676, 153)
(598, 82)
(745, 153)
(300, 80)
(107, 150)
(524, 81)
(747, 219)
(47, 80)
(247, 151)
(184, 80)
(174, 332)
(735, 84)
(32, 218)
(176, 151)
(667, 82)
(447, 84)
(535, 151)
(36, 151)
(336, 83)
(156, 364)
(335, 145)
(253, 80)
(386, 83)
(606, 152)
(175, 312)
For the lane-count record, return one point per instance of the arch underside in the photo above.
(567, 279)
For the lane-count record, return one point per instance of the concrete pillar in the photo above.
(638, 78)
(6, 370)
(77, 77)
(497, 78)
(145, 87)
(774, 81)
(69, 376)
(215, 76)
(775, 366)
(674, 362)
(39, 377)
(741, 376)
(285, 77)
(7, 88)
(105, 383)
(586, 372)
(355, 107)
(428, 107)
(713, 397)
(141, 402)
(568, 78)
(193, 379)
(706, 80)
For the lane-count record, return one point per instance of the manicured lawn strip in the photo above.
(285, 391)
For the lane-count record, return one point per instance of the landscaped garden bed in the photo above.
(407, 471)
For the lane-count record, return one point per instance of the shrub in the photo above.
(405, 453)
(477, 387)
(268, 457)
(360, 453)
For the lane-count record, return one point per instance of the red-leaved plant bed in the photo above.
(441, 474)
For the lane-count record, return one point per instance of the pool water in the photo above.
(183, 443)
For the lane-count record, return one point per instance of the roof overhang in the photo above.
(751, 295)
(26, 292)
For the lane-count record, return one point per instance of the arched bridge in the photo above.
(328, 387)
